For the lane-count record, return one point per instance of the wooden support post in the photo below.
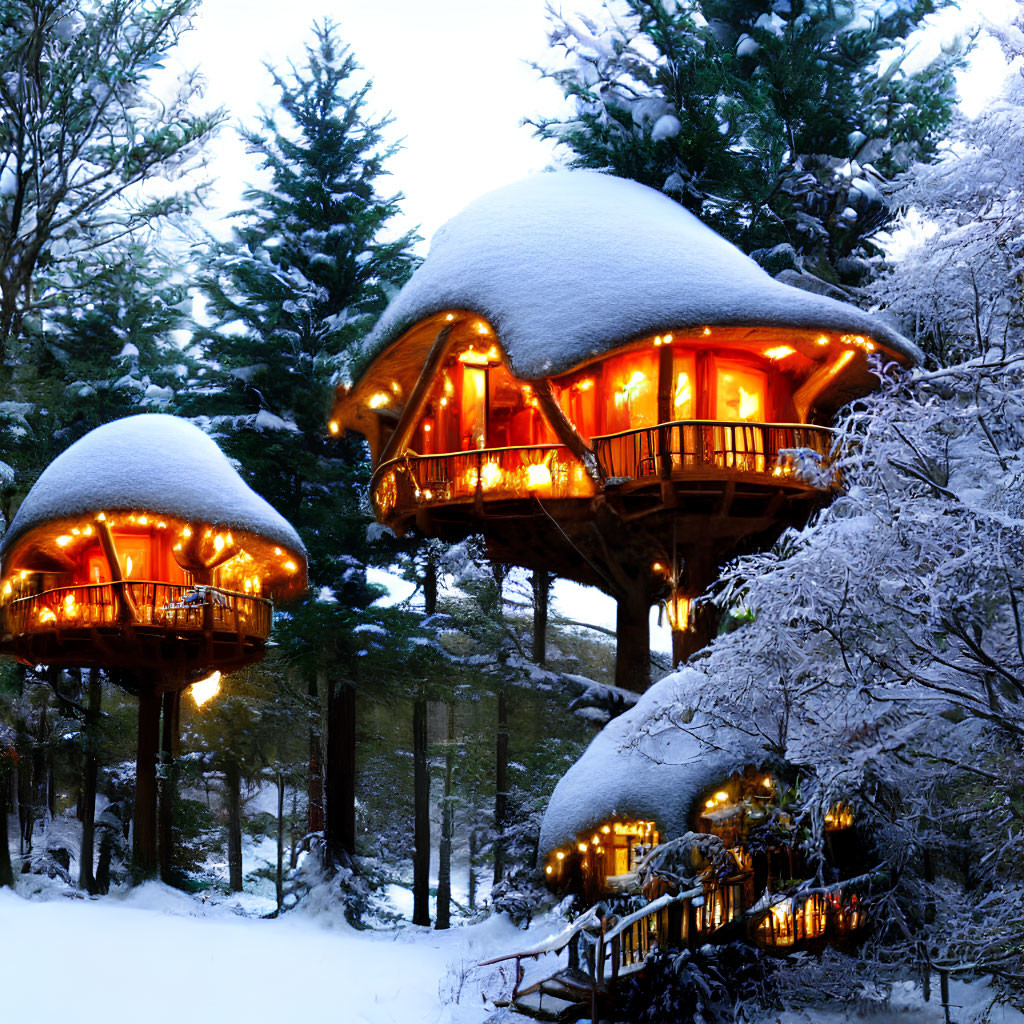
(633, 646)
(169, 782)
(421, 816)
(144, 847)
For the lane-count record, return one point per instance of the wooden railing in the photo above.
(522, 471)
(826, 915)
(792, 451)
(145, 603)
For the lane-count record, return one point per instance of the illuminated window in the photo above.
(740, 397)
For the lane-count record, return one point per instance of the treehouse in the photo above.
(606, 389)
(141, 551)
(688, 815)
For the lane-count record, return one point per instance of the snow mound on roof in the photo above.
(641, 765)
(154, 462)
(569, 264)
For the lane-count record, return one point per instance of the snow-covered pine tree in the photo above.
(882, 659)
(960, 290)
(310, 267)
(83, 130)
(774, 121)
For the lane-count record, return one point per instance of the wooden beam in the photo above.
(400, 438)
(565, 431)
(126, 610)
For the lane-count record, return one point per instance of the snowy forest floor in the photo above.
(156, 954)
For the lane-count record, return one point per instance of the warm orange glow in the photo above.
(482, 328)
(585, 385)
(549, 869)
(779, 352)
(206, 689)
(218, 543)
(186, 532)
(582, 847)
(450, 317)
(333, 426)
(538, 476)
(379, 399)
(45, 615)
(841, 362)
(290, 566)
(677, 607)
(822, 340)
(560, 855)
(721, 796)
(143, 520)
(682, 396)
(63, 542)
(657, 567)
(631, 388)
(102, 518)
(749, 405)
(490, 475)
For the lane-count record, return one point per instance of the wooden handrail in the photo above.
(814, 427)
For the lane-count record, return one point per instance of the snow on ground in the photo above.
(156, 954)
(159, 955)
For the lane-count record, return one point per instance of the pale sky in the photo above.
(452, 73)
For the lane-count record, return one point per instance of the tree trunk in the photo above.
(430, 583)
(633, 648)
(6, 773)
(472, 868)
(444, 870)
(144, 849)
(500, 788)
(90, 771)
(169, 781)
(541, 582)
(421, 816)
(340, 776)
(279, 877)
(315, 781)
(233, 784)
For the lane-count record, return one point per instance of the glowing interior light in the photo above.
(482, 328)
(450, 317)
(143, 520)
(178, 547)
(549, 869)
(768, 782)
(88, 531)
(629, 391)
(206, 689)
(102, 517)
(76, 531)
(779, 352)
(560, 855)
(218, 543)
(428, 495)
(378, 399)
(186, 532)
(396, 388)
(823, 340)
(333, 426)
(161, 526)
(683, 394)
(63, 542)
(426, 428)
(605, 828)
(595, 841)
(45, 615)
(538, 476)
(278, 551)
(657, 567)
(69, 604)
(667, 339)
(709, 804)
(582, 847)
(706, 331)
(657, 341)
(490, 474)
(127, 565)
(7, 589)
(290, 566)
(585, 385)
(721, 796)
(749, 404)
(492, 352)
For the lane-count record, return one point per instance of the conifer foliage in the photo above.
(82, 131)
(772, 120)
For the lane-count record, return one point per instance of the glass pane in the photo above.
(740, 393)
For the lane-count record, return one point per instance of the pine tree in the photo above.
(772, 120)
(308, 271)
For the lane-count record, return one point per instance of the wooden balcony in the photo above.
(769, 455)
(405, 485)
(135, 624)
(791, 453)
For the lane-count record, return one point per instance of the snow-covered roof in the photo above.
(569, 264)
(642, 766)
(153, 462)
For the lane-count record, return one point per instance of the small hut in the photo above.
(644, 786)
(140, 550)
(605, 388)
